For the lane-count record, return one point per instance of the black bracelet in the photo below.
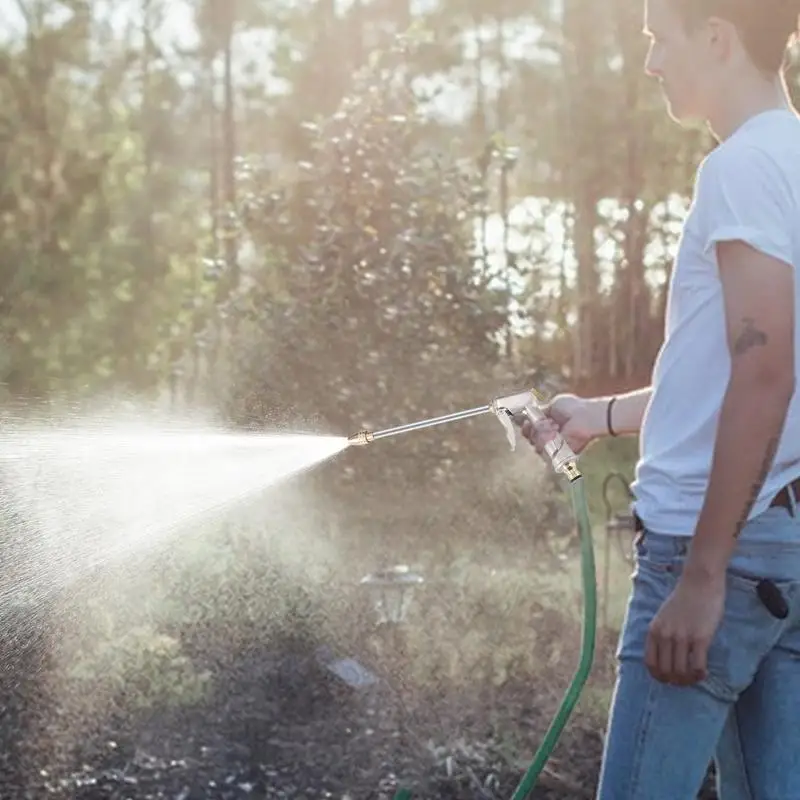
(611, 431)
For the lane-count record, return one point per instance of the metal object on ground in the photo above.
(623, 528)
(392, 592)
(620, 527)
(347, 670)
(354, 674)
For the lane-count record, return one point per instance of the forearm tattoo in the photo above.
(751, 336)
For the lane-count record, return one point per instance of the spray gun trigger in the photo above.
(506, 419)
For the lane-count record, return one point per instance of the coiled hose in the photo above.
(589, 634)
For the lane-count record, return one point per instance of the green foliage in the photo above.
(117, 172)
(491, 626)
(140, 669)
(91, 268)
(370, 297)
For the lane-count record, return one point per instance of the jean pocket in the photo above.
(747, 632)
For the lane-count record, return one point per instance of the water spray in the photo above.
(511, 410)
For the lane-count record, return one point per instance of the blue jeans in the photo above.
(745, 716)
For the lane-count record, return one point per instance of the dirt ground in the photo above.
(279, 725)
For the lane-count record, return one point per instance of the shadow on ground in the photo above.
(279, 725)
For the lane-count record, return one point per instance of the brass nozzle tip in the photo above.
(360, 438)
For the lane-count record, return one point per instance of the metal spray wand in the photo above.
(506, 409)
(564, 461)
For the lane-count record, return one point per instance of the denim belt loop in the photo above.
(792, 500)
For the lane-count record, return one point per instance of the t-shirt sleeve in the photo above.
(742, 195)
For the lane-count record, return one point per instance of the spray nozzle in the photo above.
(360, 438)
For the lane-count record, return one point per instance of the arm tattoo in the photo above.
(766, 465)
(750, 337)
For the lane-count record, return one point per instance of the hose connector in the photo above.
(360, 438)
(571, 471)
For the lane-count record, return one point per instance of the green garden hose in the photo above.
(510, 409)
(573, 693)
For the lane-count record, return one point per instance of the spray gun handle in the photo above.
(560, 453)
(528, 403)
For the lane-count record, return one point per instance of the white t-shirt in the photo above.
(747, 189)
